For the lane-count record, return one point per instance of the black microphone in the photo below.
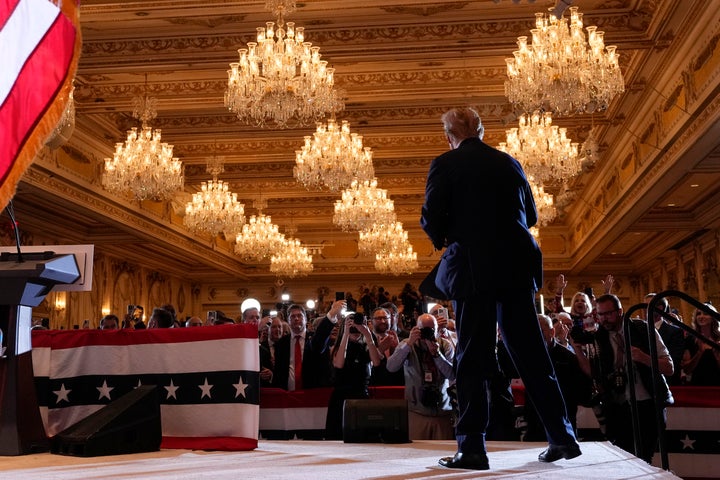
(11, 213)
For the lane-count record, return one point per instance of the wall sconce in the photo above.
(105, 311)
(59, 304)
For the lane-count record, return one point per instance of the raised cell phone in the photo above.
(339, 296)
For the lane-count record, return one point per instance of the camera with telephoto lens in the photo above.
(581, 336)
(427, 333)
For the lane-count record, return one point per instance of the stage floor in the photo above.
(317, 460)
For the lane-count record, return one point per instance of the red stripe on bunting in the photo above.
(209, 443)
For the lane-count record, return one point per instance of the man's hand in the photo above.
(389, 342)
(560, 284)
(608, 283)
(414, 336)
(335, 309)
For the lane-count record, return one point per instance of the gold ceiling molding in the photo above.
(435, 76)
(204, 44)
(427, 10)
(207, 21)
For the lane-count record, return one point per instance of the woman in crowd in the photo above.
(352, 356)
(700, 362)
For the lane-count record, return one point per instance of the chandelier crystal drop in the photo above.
(382, 238)
(214, 208)
(542, 148)
(401, 262)
(144, 165)
(362, 205)
(280, 77)
(544, 203)
(292, 260)
(260, 238)
(560, 71)
(333, 157)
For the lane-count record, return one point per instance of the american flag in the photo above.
(39, 49)
(207, 379)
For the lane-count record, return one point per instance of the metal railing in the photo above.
(652, 309)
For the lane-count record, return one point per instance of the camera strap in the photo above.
(430, 371)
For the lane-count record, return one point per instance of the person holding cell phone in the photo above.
(353, 355)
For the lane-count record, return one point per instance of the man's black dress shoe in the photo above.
(471, 461)
(556, 452)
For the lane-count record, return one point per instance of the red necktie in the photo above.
(298, 363)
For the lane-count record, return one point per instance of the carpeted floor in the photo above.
(318, 460)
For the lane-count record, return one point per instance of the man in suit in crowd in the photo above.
(673, 337)
(314, 369)
(479, 207)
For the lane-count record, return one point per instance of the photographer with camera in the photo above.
(353, 355)
(603, 357)
(427, 362)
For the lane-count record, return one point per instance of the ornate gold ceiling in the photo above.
(401, 63)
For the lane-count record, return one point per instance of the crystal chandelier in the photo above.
(333, 157)
(562, 72)
(259, 238)
(382, 238)
(544, 204)
(280, 76)
(144, 165)
(292, 260)
(399, 262)
(362, 205)
(214, 209)
(542, 148)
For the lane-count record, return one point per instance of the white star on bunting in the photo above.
(205, 389)
(240, 388)
(687, 442)
(171, 389)
(62, 394)
(105, 390)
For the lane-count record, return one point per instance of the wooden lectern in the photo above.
(24, 282)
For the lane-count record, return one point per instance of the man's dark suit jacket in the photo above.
(472, 208)
(674, 339)
(316, 364)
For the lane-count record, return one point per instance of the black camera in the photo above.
(358, 319)
(431, 396)
(581, 336)
(427, 333)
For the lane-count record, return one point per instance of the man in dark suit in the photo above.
(479, 206)
(315, 370)
(672, 336)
